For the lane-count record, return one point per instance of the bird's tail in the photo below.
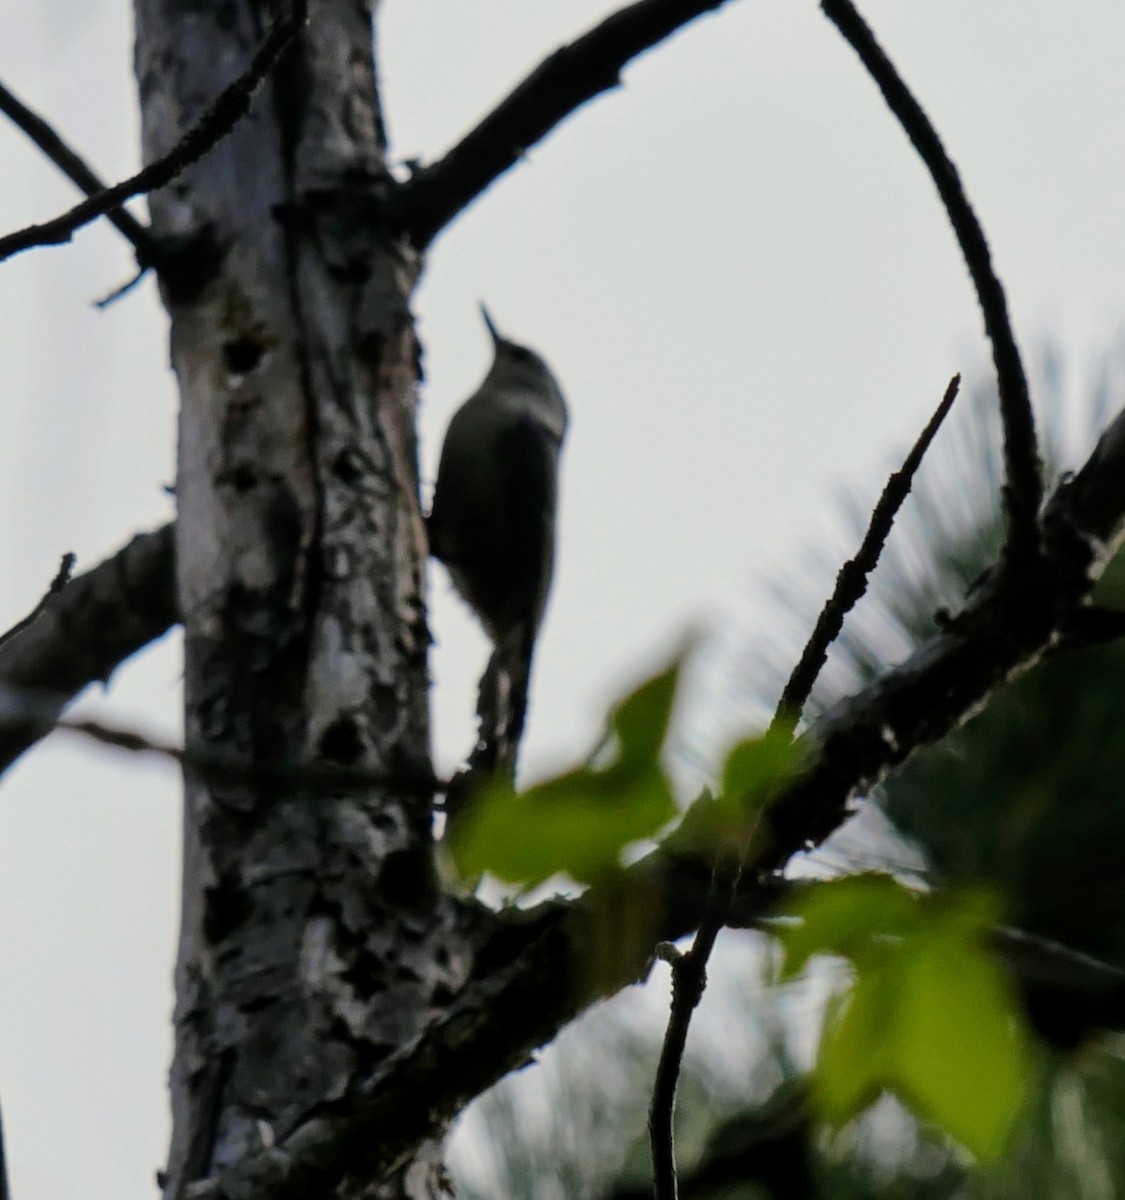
(501, 714)
(502, 701)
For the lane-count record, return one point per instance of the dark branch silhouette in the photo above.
(1023, 493)
(229, 108)
(689, 981)
(689, 970)
(562, 83)
(80, 634)
(534, 975)
(78, 172)
(1000, 633)
(57, 584)
(530, 981)
(317, 778)
(121, 290)
(770, 1148)
(851, 582)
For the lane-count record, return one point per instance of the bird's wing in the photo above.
(528, 456)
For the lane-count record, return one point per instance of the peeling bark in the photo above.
(334, 1009)
(314, 937)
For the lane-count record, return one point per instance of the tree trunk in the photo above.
(314, 937)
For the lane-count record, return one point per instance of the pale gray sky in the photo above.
(740, 274)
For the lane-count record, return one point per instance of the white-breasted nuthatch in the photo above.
(492, 522)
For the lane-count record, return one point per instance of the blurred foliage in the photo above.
(929, 1015)
(581, 822)
(1022, 798)
(1031, 800)
(1021, 801)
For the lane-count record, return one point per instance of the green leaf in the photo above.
(967, 913)
(580, 822)
(849, 917)
(756, 767)
(703, 829)
(961, 1056)
(853, 1063)
(930, 1016)
(754, 771)
(640, 721)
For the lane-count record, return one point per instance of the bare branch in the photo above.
(1023, 497)
(78, 171)
(538, 973)
(689, 971)
(538, 978)
(768, 1149)
(229, 108)
(562, 83)
(57, 584)
(1001, 633)
(1065, 992)
(319, 778)
(122, 290)
(83, 632)
(1023, 468)
(851, 582)
(689, 980)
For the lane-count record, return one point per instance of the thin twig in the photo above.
(767, 1152)
(1023, 492)
(563, 82)
(216, 122)
(689, 970)
(319, 777)
(121, 290)
(77, 171)
(689, 980)
(502, 1015)
(66, 566)
(851, 582)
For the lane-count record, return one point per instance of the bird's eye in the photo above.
(521, 354)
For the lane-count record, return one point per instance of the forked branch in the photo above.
(229, 108)
(689, 970)
(78, 171)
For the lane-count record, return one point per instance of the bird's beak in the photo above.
(493, 331)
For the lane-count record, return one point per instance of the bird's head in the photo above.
(519, 368)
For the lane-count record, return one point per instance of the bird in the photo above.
(493, 520)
